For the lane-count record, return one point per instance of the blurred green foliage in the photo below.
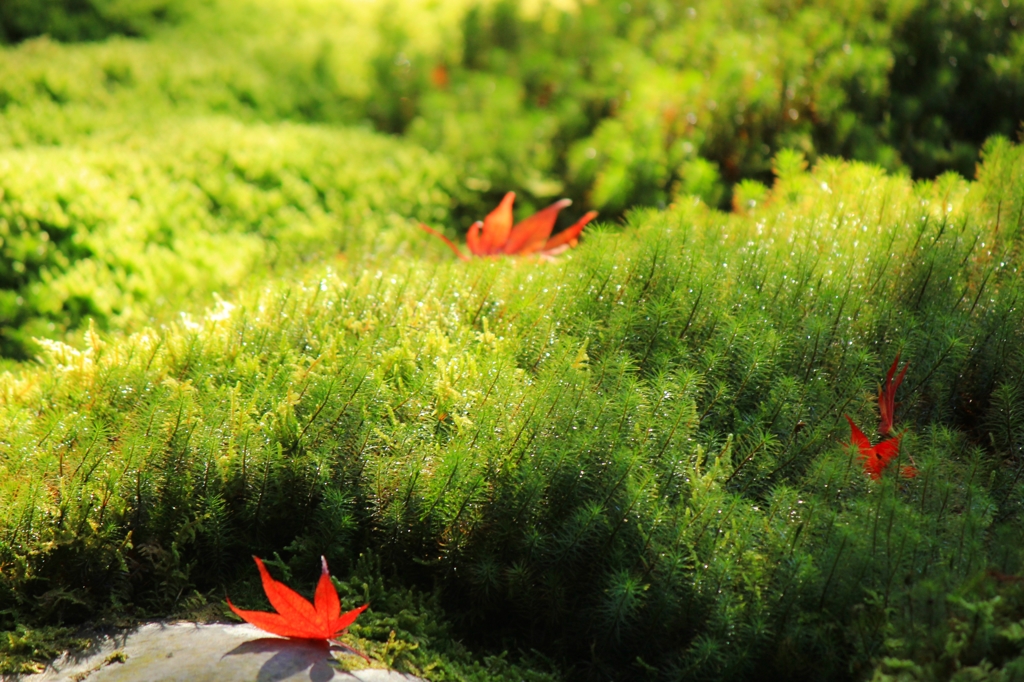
(616, 104)
(627, 103)
(74, 20)
(119, 229)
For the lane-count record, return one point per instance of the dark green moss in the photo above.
(81, 20)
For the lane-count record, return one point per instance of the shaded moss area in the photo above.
(81, 20)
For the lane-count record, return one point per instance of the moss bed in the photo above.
(224, 335)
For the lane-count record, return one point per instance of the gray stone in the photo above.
(193, 652)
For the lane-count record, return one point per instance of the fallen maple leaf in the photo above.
(495, 235)
(296, 617)
(875, 458)
(887, 397)
(439, 76)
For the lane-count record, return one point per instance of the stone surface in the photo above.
(191, 652)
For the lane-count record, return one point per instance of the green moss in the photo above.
(74, 20)
(631, 460)
(638, 446)
(614, 108)
(25, 650)
(127, 226)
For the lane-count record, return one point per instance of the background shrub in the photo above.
(613, 104)
(641, 102)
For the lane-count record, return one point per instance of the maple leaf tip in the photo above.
(451, 245)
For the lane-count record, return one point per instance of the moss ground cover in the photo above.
(638, 446)
(132, 223)
(226, 335)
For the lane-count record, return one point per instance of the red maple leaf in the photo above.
(887, 397)
(439, 76)
(495, 235)
(875, 458)
(296, 617)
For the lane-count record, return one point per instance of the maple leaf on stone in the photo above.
(296, 617)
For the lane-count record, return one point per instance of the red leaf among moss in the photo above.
(495, 235)
(887, 397)
(439, 76)
(296, 617)
(874, 458)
